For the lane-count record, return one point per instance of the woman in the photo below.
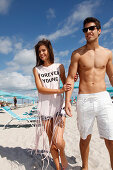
(51, 105)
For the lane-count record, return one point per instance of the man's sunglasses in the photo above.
(89, 28)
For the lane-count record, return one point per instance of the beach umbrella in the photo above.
(19, 96)
(5, 94)
(111, 94)
(109, 89)
(16, 95)
(6, 100)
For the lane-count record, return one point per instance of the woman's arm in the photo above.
(66, 86)
(62, 74)
(42, 89)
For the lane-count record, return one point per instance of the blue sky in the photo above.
(24, 22)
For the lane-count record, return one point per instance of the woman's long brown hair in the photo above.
(48, 45)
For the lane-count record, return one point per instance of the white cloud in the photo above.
(10, 44)
(82, 11)
(63, 53)
(57, 60)
(50, 13)
(59, 33)
(24, 61)
(18, 46)
(105, 31)
(108, 24)
(82, 40)
(59, 56)
(24, 57)
(18, 75)
(15, 81)
(66, 64)
(5, 45)
(4, 6)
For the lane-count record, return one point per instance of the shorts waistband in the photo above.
(103, 94)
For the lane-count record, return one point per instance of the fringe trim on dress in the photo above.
(41, 132)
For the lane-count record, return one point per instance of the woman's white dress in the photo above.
(50, 106)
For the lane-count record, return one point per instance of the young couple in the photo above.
(91, 62)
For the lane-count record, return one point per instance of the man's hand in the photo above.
(68, 109)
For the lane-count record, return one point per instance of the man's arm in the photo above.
(109, 68)
(70, 79)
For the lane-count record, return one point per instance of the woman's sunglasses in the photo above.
(89, 28)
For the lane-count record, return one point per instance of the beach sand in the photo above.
(17, 142)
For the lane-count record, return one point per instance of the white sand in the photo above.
(15, 142)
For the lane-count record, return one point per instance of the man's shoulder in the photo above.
(105, 50)
(78, 51)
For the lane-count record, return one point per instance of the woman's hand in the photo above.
(76, 77)
(66, 87)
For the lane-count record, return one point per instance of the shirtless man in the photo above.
(91, 62)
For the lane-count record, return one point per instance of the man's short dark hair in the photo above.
(92, 19)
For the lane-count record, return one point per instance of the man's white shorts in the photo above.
(91, 106)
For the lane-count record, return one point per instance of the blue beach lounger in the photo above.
(14, 116)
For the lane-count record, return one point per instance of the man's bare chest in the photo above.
(93, 61)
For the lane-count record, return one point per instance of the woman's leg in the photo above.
(58, 131)
(48, 125)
